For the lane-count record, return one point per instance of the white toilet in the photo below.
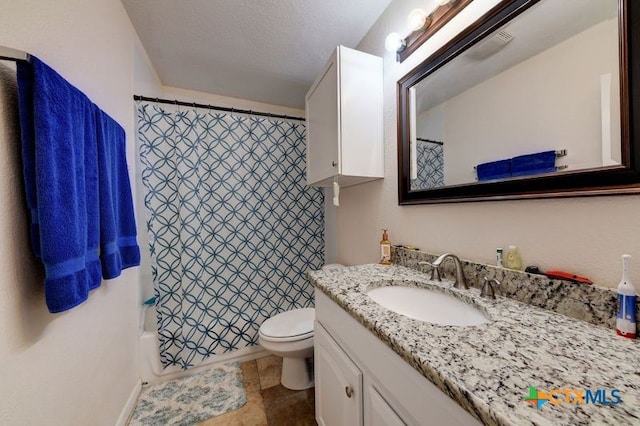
(290, 336)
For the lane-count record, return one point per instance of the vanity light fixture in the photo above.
(394, 43)
(422, 25)
(418, 20)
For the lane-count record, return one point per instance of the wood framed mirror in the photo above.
(536, 99)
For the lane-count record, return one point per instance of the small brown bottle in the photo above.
(385, 249)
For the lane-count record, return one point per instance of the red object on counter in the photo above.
(562, 275)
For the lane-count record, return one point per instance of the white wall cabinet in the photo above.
(386, 389)
(345, 120)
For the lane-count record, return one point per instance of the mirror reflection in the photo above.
(540, 95)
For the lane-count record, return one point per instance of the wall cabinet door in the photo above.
(338, 383)
(344, 115)
(323, 158)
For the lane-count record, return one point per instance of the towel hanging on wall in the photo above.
(118, 243)
(65, 183)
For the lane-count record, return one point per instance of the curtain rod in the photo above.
(217, 108)
(10, 54)
(430, 141)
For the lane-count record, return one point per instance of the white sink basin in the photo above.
(427, 305)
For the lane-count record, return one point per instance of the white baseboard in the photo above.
(128, 408)
(154, 373)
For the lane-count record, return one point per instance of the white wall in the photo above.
(584, 235)
(77, 367)
(431, 124)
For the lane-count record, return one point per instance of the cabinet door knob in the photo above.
(333, 164)
(348, 391)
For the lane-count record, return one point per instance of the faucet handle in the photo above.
(487, 288)
(435, 271)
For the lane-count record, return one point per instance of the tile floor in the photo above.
(268, 402)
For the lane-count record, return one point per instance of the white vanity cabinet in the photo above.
(361, 381)
(344, 120)
(340, 402)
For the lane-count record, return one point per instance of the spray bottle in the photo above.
(626, 319)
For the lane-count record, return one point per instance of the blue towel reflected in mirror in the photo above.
(494, 170)
(533, 164)
(522, 165)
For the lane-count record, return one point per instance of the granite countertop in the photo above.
(489, 368)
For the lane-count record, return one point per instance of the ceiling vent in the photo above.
(490, 46)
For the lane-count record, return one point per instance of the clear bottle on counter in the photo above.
(499, 257)
(512, 259)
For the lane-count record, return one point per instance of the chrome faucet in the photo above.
(487, 288)
(435, 271)
(460, 281)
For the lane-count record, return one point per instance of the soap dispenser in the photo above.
(385, 249)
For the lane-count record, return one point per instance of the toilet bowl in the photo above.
(290, 336)
(332, 266)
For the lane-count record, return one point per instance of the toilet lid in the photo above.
(291, 325)
(332, 267)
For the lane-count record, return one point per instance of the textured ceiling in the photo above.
(263, 50)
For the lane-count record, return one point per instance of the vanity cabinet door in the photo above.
(378, 411)
(338, 383)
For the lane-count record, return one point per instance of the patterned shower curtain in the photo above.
(232, 226)
(430, 165)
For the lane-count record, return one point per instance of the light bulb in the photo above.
(416, 19)
(394, 42)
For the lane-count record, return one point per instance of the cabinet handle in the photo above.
(349, 391)
(333, 164)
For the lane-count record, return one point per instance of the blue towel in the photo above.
(118, 244)
(494, 170)
(531, 164)
(25, 103)
(61, 181)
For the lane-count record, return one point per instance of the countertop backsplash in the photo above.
(591, 303)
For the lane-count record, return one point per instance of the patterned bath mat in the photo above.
(191, 399)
